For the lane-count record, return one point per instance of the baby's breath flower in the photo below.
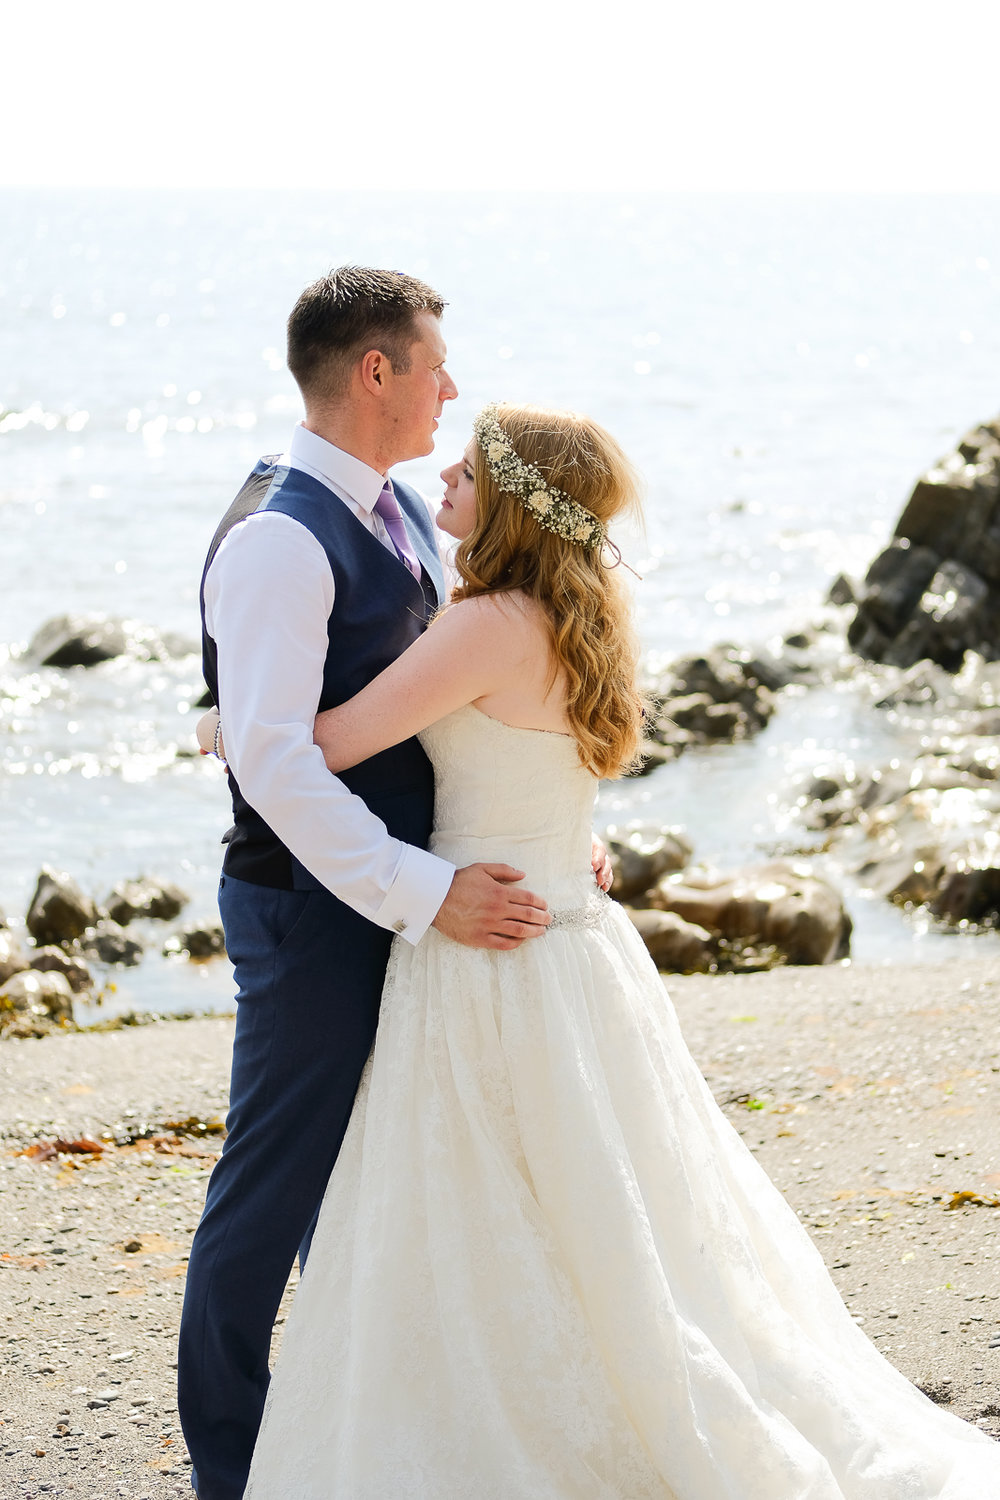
(551, 507)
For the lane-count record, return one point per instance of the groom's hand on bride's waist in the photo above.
(486, 908)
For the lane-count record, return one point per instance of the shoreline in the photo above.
(869, 1094)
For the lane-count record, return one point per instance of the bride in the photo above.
(546, 1266)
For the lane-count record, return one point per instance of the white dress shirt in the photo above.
(268, 598)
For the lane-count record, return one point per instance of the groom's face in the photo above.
(415, 399)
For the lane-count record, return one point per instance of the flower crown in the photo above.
(551, 508)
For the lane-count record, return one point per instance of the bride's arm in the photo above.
(476, 647)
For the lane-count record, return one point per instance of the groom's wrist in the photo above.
(417, 893)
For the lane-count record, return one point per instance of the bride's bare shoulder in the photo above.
(506, 629)
(514, 614)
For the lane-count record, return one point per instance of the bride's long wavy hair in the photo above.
(585, 601)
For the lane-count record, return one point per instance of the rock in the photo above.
(831, 812)
(827, 783)
(689, 710)
(934, 592)
(980, 439)
(728, 674)
(59, 911)
(841, 591)
(892, 588)
(76, 641)
(932, 832)
(675, 946)
(912, 882)
(84, 640)
(641, 854)
(778, 905)
(944, 623)
(37, 994)
(707, 720)
(147, 644)
(145, 898)
(924, 684)
(107, 942)
(727, 694)
(809, 923)
(951, 503)
(977, 686)
(58, 961)
(13, 958)
(979, 762)
(968, 884)
(841, 796)
(200, 940)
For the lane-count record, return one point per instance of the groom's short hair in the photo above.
(345, 313)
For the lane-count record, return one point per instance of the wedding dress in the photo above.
(547, 1268)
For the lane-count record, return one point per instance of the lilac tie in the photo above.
(387, 506)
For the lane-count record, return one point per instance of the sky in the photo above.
(719, 95)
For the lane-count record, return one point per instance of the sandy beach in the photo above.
(870, 1094)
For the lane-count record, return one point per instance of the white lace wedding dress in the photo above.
(547, 1268)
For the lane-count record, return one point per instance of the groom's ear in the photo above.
(373, 371)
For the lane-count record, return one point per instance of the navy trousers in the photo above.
(309, 973)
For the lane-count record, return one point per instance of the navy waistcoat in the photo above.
(379, 609)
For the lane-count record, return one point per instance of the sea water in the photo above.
(781, 368)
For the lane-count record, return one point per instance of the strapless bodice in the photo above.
(507, 795)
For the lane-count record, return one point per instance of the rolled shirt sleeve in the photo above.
(268, 598)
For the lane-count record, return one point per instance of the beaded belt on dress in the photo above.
(589, 915)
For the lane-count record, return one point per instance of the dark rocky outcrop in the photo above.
(924, 832)
(934, 592)
(642, 854)
(145, 898)
(77, 641)
(675, 946)
(110, 944)
(69, 965)
(197, 940)
(693, 921)
(59, 910)
(86, 640)
(725, 695)
(70, 933)
(777, 906)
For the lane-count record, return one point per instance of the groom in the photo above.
(320, 574)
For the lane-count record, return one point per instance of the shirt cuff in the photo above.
(416, 895)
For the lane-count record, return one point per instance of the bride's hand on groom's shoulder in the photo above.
(486, 908)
